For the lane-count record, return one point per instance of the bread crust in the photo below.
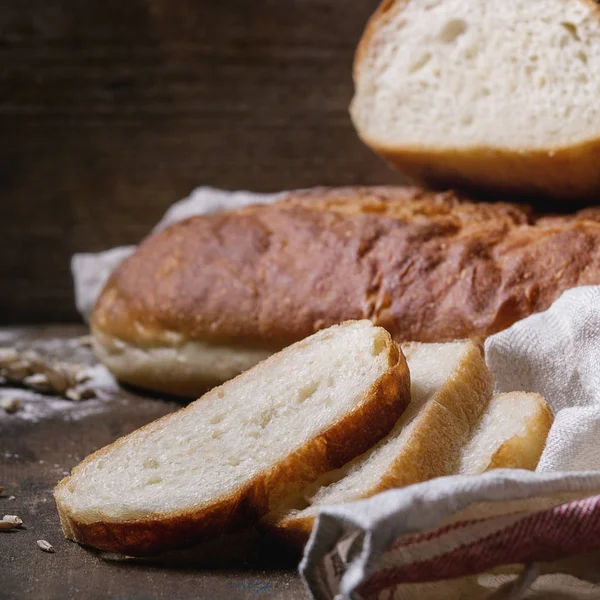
(425, 266)
(370, 420)
(565, 173)
(568, 174)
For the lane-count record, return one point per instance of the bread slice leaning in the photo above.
(450, 387)
(512, 434)
(234, 454)
(499, 96)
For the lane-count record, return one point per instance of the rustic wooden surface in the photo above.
(110, 111)
(35, 455)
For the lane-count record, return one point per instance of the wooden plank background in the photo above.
(110, 111)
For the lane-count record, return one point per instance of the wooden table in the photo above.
(36, 452)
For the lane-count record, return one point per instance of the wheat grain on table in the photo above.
(39, 445)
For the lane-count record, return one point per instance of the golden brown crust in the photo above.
(427, 267)
(434, 449)
(565, 173)
(370, 420)
(568, 174)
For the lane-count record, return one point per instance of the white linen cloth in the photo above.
(434, 539)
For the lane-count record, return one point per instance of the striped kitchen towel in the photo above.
(503, 534)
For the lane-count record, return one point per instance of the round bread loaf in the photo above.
(485, 95)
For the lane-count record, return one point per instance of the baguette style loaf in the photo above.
(227, 459)
(498, 96)
(209, 297)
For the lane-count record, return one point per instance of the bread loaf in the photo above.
(209, 297)
(489, 95)
(241, 449)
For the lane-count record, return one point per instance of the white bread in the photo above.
(511, 435)
(181, 367)
(494, 95)
(234, 454)
(450, 386)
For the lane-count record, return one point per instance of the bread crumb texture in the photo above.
(467, 73)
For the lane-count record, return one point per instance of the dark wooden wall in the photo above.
(112, 110)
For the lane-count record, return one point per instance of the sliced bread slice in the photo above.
(450, 386)
(227, 459)
(512, 434)
(491, 95)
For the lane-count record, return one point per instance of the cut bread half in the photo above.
(227, 459)
(492, 95)
(512, 434)
(450, 387)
